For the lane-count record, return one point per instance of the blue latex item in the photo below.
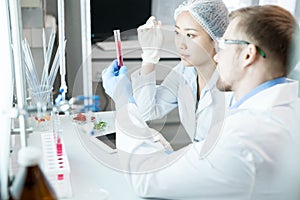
(94, 106)
(59, 97)
(117, 84)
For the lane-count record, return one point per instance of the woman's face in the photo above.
(194, 45)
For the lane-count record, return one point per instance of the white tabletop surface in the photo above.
(92, 173)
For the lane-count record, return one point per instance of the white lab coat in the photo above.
(180, 89)
(238, 163)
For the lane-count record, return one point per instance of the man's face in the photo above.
(228, 59)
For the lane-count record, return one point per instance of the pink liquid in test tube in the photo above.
(59, 145)
(118, 47)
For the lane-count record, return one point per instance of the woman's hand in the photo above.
(150, 38)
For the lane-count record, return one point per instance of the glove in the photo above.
(116, 84)
(150, 38)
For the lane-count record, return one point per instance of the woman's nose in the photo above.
(180, 42)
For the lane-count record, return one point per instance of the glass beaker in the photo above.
(42, 98)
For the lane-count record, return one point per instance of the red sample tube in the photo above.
(118, 47)
(59, 150)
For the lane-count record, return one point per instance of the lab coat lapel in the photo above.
(204, 102)
(206, 99)
(187, 106)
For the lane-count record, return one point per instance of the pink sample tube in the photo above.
(118, 47)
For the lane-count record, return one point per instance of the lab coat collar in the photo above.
(186, 106)
(206, 98)
(277, 95)
(190, 75)
(212, 82)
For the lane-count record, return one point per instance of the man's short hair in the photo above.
(270, 27)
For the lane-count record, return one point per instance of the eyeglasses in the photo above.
(222, 42)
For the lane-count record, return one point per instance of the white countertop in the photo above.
(93, 171)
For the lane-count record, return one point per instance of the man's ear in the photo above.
(250, 54)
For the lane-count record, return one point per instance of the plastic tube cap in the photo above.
(29, 156)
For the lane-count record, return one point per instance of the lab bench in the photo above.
(93, 172)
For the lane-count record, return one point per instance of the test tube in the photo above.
(118, 47)
(59, 150)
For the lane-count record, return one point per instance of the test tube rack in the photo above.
(55, 165)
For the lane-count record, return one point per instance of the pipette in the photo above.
(61, 41)
(118, 47)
